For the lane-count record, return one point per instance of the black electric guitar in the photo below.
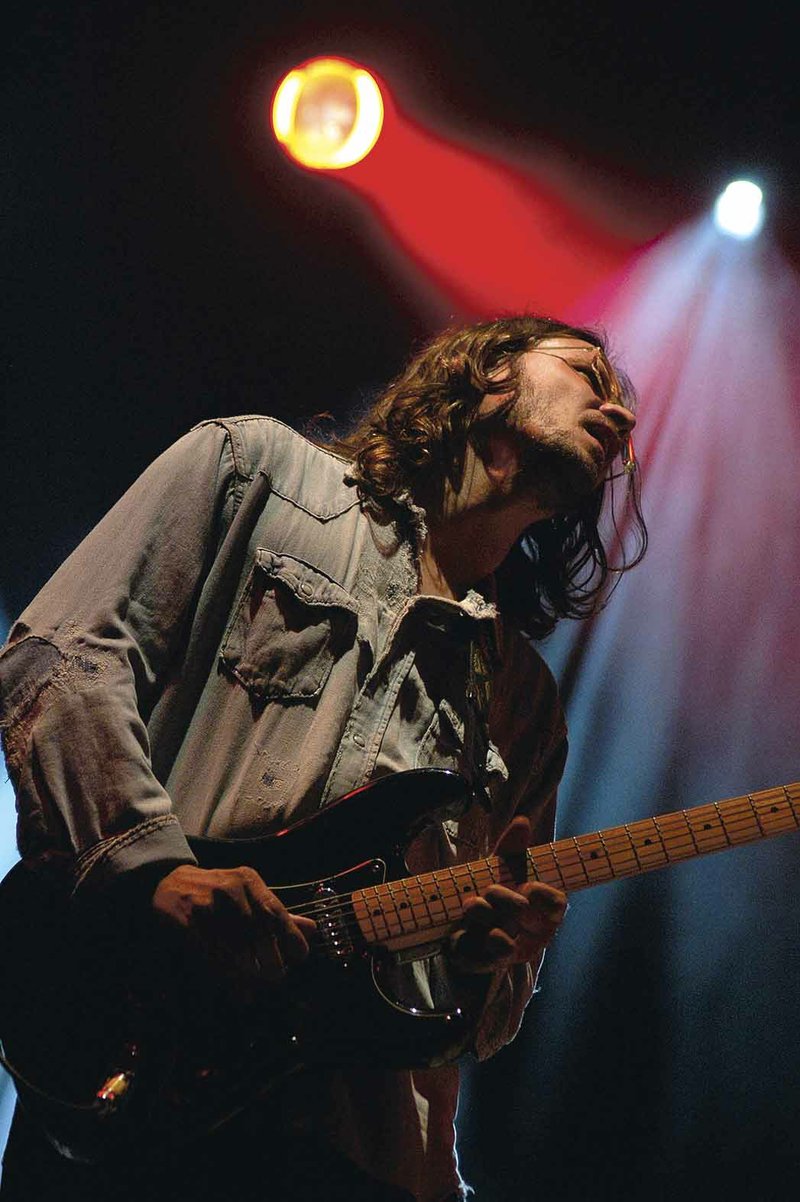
(114, 1039)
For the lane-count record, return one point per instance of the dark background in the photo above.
(166, 263)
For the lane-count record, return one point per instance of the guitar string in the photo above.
(343, 909)
(403, 897)
(347, 926)
(624, 844)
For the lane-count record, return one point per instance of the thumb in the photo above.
(515, 838)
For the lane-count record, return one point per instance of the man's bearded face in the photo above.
(568, 422)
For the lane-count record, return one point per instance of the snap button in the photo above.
(359, 740)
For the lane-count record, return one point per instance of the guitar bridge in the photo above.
(332, 923)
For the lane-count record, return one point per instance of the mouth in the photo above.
(605, 437)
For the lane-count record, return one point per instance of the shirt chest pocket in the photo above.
(291, 624)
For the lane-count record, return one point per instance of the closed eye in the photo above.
(589, 374)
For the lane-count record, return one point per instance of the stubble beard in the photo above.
(552, 470)
(555, 474)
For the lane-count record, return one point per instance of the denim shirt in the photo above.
(240, 641)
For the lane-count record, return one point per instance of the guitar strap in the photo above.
(482, 654)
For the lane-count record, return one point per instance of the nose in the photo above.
(622, 418)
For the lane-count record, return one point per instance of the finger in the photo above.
(507, 906)
(481, 951)
(478, 914)
(267, 962)
(290, 932)
(220, 920)
(536, 909)
(307, 925)
(545, 900)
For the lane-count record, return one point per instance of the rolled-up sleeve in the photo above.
(85, 662)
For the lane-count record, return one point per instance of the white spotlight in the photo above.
(739, 211)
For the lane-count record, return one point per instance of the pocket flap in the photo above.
(309, 584)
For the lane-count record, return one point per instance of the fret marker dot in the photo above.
(647, 842)
(706, 826)
(774, 809)
(593, 856)
(403, 906)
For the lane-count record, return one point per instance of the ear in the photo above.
(500, 457)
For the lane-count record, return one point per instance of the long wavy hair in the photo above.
(413, 440)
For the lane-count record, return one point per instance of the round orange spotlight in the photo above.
(327, 113)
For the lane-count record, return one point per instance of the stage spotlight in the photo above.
(327, 113)
(739, 211)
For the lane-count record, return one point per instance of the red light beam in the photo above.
(492, 238)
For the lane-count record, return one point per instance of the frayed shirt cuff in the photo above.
(156, 841)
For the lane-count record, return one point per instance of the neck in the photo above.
(458, 553)
(474, 532)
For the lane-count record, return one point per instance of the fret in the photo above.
(483, 874)
(389, 910)
(371, 929)
(707, 829)
(741, 826)
(755, 814)
(473, 886)
(425, 900)
(691, 832)
(722, 823)
(400, 909)
(449, 893)
(605, 853)
(675, 835)
(595, 861)
(416, 902)
(776, 812)
(652, 853)
(657, 825)
(557, 862)
(369, 914)
(568, 863)
(547, 869)
(433, 900)
(632, 842)
(465, 884)
(579, 854)
(619, 851)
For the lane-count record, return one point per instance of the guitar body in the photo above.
(115, 1035)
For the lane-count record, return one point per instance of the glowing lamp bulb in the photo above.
(328, 113)
(739, 211)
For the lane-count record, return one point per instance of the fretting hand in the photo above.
(504, 926)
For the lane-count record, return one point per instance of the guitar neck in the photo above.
(421, 909)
